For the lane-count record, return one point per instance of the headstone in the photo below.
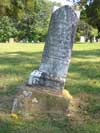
(98, 39)
(55, 8)
(57, 51)
(11, 40)
(82, 39)
(94, 39)
(32, 41)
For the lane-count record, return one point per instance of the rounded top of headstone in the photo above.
(75, 10)
(70, 3)
(66, 9)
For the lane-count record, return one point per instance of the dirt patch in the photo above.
(89, 106)
(6, 104)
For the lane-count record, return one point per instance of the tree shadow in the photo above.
(19, 62)
(84, 75)
(16, 67)
(86, 53)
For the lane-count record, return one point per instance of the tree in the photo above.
(7, 29)
(34, 24)
(30, 17)
(4, 7)
(93, 14)
(42, 15)
(84, 29)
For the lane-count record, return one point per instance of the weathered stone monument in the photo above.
(57, 51)
(44, 90)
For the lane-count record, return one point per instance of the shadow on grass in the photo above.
(18, 58)
(24, 62)
(86, 69)
(38, 126)
(84, 75)
(47, 126)
(86, 53)
(15, 68)
(20, 64)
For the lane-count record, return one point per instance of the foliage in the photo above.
(92, 14)
(30, 17)
(42, 18)
(4, 7)
(34, 24)
(84, 29)
(7, 29)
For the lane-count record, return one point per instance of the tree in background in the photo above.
(4, 7)
(86, 30)
(93, 14)
(89, 25)
(34, 24)
(7, 29)
(30, 17)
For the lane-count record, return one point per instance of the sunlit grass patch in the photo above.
(84, 75)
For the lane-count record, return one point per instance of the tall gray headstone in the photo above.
(57, 51)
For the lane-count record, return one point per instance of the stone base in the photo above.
(31, 101)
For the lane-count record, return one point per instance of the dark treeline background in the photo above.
(28, 20)
(24, 19)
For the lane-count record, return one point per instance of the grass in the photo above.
(83, 81)
(84, 75)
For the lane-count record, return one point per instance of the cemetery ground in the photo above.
(83, 82)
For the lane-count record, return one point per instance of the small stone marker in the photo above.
(94, 39)
(82, 39)
(11, 40)
(57, 51)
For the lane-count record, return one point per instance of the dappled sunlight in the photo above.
(21, 47)
(84, 75)
(83, 82)
(87, 58)
(16, 63)
(18, 60)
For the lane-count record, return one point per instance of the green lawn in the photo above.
(83, 81)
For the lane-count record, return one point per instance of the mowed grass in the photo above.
(83, 80)
(16, 63)
(84, 70)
